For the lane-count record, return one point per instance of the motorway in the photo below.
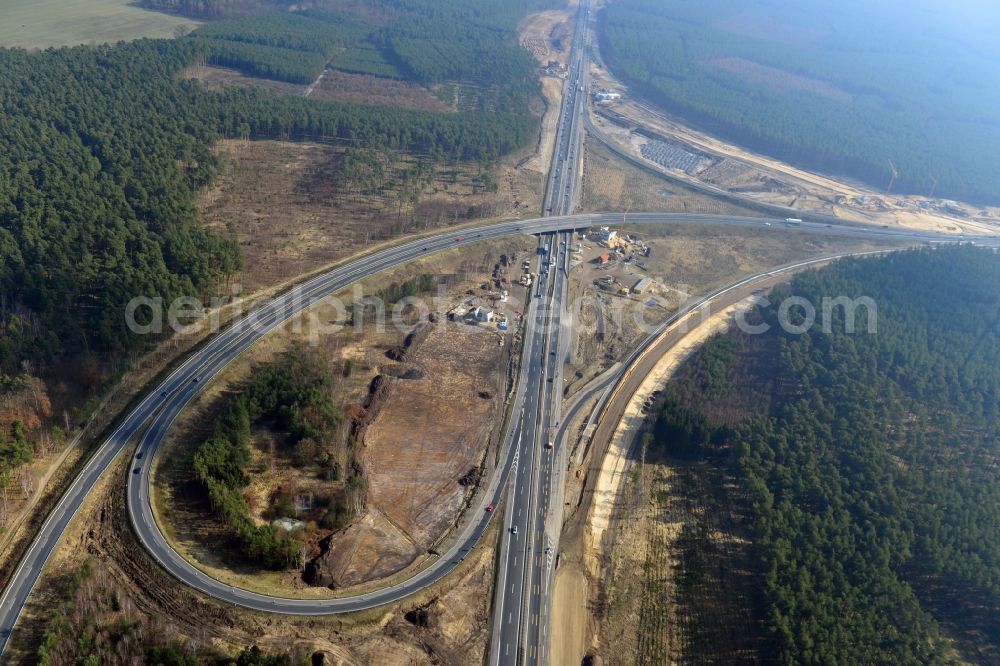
(157, 410)
(516, 596)
(564, 171)
(524, 460)
(529, 544)
(525, 554)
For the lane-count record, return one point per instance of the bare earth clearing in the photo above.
(610, 184)
(337, 86)
(282, 201)
(684, 263)
(333, 86)
(445, 624)
(429, 433)
(546, 35)
(218, 79)
(729, 167)
(432, 421)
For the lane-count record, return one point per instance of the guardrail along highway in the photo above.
(523, 476)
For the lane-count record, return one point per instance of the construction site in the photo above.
(428, 364)
(686, 155)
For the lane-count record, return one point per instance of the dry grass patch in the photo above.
(337, 86)
(218, 79)
(685, 262)
(291, 214)
(610, 184)
(414, 449)
(677, 585)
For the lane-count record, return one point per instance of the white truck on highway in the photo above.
(792, 222)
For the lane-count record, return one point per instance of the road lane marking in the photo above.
(279, 312)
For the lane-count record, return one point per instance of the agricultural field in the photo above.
(39, 24)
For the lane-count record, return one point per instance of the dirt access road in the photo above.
(604, 467)
(631, 121)
(547, 35)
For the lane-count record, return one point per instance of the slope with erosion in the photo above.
(408, 388)
(142, 607)
(710, 564)
(422, 453)
(649, 133)
(587, 555)
(864, 91)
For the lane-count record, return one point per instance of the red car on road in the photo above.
(489, 508)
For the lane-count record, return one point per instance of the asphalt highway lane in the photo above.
(160, 406)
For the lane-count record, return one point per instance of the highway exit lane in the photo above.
(176, 391)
